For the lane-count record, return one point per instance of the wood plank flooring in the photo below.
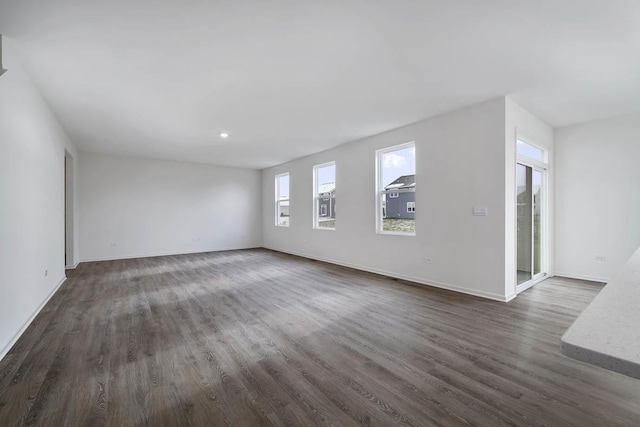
(262, 338)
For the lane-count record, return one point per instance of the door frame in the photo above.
(543, 168)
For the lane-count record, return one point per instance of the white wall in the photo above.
(460, 161)
(597, 196)
(131, 207)
(31, 200)
(519, 123)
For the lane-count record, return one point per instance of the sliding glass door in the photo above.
(530, 219)
(524, 184)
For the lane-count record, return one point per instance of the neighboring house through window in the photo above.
(324, 188)
(396, 189)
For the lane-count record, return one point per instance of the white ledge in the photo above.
(607, 333)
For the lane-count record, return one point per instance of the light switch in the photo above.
(480, 211)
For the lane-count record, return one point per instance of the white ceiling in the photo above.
(163, 78)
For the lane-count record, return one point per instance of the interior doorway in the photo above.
(531, 217)
(69, 255)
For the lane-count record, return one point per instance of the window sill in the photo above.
(396, 233)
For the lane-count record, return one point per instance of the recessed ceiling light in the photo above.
(224, 135)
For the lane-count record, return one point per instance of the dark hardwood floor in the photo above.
(261, 338)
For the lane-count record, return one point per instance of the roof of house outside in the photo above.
(327, 187)
(404, 182)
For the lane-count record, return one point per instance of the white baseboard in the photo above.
(584, 277)
(449, 287)
(71, 267)
(17, 336)
(158, 254)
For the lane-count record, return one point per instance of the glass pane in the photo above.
(282, 200)
(283, 186)
(529, 150)
(398, 192)
(524, 222)
(326, 196)
(537, 225)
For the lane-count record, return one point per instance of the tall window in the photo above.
(2, 70)
(396, 189)
(324, 201)
(282, 200)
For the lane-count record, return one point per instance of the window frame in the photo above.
(316, 195)
(278, 201)
(379, 189)
(411, 208)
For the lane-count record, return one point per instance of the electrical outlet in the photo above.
(113, 245)
(196, 239)
(46, 272)
(428, 260)
(600, 258)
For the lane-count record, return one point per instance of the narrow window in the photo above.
(282, 200)
(324, 199)
(396, 189)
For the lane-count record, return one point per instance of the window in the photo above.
(396, 190)
(2, 70)
(530, 151)
(282, 200)
(324, 199)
